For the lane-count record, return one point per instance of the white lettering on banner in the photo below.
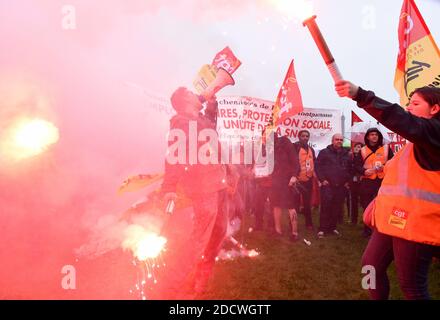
(244, 118)
(396, 141)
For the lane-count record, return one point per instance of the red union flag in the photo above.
(418, 62)
(226, 59)
(289, 100)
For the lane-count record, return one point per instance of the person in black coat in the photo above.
(333, 167)
(284, 192)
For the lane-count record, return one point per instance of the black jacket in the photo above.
(424, 133)
(357, 164)
(333, 165)
(286, 159)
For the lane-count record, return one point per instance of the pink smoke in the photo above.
(80, 80)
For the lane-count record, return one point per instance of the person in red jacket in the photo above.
(202, 185)
(406, 212)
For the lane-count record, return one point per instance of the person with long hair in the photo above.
(405, 214)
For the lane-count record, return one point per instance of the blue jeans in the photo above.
(412, 260)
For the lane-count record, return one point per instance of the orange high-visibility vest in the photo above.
(307, 166)
(378, 157)
(408, 203)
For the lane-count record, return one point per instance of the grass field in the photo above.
(328, 269)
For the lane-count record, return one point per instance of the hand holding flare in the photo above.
(346, 89)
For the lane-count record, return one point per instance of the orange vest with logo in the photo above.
(408, 203)
(376, 158)
(307, 166)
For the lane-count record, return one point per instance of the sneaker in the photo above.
(336, 232)
(320, 234)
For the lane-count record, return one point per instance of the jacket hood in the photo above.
(379, 142)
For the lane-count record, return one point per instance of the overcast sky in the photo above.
(80, 78)
(83, 73)
(362, 35)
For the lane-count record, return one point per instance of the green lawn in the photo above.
(328, 269)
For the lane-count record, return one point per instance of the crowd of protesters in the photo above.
(303, 178)
(337, 175)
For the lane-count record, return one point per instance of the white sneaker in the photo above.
(320, 234)
(336, 232)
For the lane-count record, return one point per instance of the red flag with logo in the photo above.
(226, 59)
(289, 101)
(418, 62)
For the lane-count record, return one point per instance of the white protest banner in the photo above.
(396, 142)
(244, 118)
